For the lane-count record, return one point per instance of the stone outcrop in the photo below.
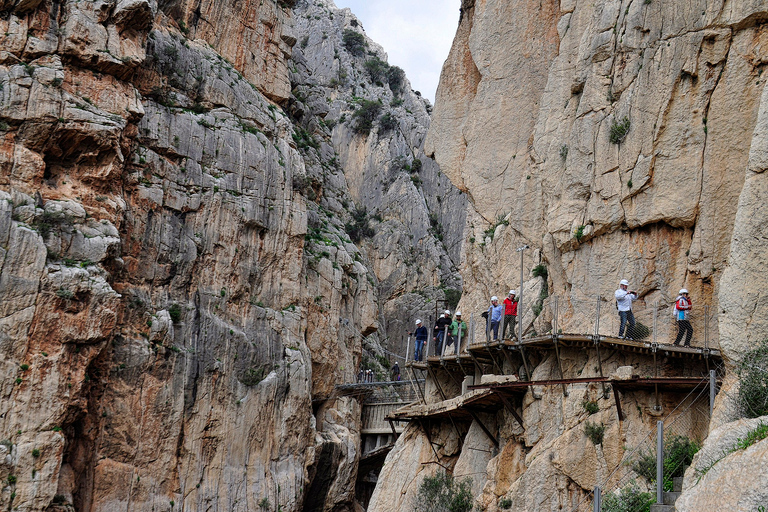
(618, 140)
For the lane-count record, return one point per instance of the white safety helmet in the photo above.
(447, 311)
(512, 292)
(458, 313)
(418, 322)
(682, 291)
(624, 282)
(494, 298)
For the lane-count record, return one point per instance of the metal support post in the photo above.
(520, 309)
(407, 348)
(597, 319)
(712, 389)
(655, 321)
(660, 462)
(706, 327)
(445, 343)
(597, 502)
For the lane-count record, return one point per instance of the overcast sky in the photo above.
(416, 35)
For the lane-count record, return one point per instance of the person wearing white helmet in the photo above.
(439, 332)
(510, 314)
(682, 310)
(420, 335)
(458, 331)
(495, 312)
(624, 300)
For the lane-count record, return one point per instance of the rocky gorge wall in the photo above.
(179, 287)
(617, 139)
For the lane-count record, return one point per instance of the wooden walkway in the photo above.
(484, 354)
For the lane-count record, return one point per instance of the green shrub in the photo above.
(540, 271)
(579, 234)
(354, 42)
(452, 298)
(594, 432)
(377, 70)
(365, 115)
(253, 376)
(442, 493)
(564, 151)
(395, 78)
(360, 226)
(678, 455)
(590, 406)
(388, 122)
(628, 499)
(753, 382)
(174, 311)
(619, 130)
(640, 331)
(505, 503)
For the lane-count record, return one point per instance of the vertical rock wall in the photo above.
(179, 288)
(619, 140)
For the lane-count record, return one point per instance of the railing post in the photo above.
(597, 503)
(445, 343)
(660, 462)
(520, 311)
(554, 316)
(407, 348)
(706, 327)
(655, 322)
(597, 319)
(712, 388)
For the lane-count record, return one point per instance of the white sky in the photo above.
(416, 35)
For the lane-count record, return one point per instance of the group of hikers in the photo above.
(504, 315)
(682, 311)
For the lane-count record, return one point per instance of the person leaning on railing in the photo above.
(624, 300)
(439, 333)
(682, 311)
(458, 325)
(510, 314)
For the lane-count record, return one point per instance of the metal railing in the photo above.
(654, 322)
(656, 457)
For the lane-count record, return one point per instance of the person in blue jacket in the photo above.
(495, 313)
(421, 338)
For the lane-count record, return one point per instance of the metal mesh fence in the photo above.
(649, 322)
(631, 485)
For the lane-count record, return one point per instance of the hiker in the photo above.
(420, 335)
(439, 332)
(510, 314)
(495, 312)
(624, 300)
(458, 325)
(682, 311)
(396, 371)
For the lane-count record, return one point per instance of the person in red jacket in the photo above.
(510, 315)
(682, 312)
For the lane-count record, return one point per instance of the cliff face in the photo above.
(618, 140)
(179, 287)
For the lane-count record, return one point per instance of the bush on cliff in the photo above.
(753, 382)
(365, 115)
(442, 493)
(354, 42)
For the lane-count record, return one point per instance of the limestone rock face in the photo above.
(617, 140)
(528, 101)
(179, 287)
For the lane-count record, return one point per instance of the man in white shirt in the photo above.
(624, 300)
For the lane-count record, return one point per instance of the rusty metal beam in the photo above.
(437, 383)
(618, 403)
(482, 426)
(511, 408)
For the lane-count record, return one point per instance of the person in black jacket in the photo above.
(421, 338)
(439, 333)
